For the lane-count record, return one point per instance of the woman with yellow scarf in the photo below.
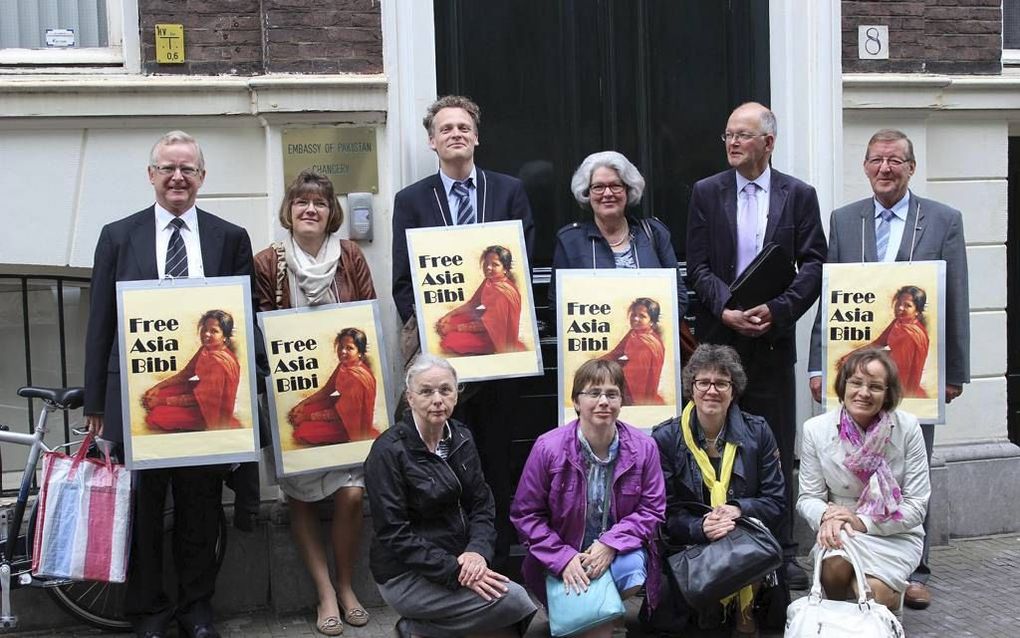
(720, 456)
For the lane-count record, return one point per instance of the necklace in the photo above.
(626, 236)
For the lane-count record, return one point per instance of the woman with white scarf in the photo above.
(312, 267)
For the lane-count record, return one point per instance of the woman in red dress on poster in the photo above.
(178, 404)
(641, 354)
(489, 322)
(906, 337)
(341, 410)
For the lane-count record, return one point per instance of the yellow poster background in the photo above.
(433, 302)
(618, 289)
(846, 327)
(322, 325)
(185, 304)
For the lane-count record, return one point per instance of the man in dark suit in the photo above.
(912, 228)
(171, 238)
(732, 216)
(452, 124)
(461, 193)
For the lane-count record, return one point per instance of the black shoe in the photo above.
(203, 630)
(402, 629)
(796, 578)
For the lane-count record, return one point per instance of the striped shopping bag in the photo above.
(83, 530)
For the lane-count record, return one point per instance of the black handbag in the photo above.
(707, 573)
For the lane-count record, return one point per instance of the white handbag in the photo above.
(814, 616)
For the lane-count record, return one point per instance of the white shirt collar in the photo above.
(164, 217)
(764, 181)
(448, 181)
(447, 433)
(899, 208)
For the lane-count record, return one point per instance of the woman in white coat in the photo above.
(863, 470)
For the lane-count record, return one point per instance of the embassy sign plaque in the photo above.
(348, 156)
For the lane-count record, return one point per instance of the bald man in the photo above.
(732, 216)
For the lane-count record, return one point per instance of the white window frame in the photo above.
(122, 52)
(1010, 57)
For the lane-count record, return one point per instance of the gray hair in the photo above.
(890, 135)
(424, 362)
(722, 359)
(767, 119)
(177, 137)
(628, 173)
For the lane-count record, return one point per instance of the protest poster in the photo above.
(327, 386)
(187, 368)
(896, 306)
(473, 299)
(629, 316)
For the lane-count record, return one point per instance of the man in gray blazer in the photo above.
(911, 228)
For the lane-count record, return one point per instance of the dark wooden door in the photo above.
(1013, 294)
(560, 79)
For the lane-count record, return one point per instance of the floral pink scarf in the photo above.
(865, 457)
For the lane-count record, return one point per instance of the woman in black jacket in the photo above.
(720, 456)
(433, 517)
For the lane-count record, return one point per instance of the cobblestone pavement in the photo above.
(975, 592)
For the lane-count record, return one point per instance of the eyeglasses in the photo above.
(721, 385)
(894, 162)
(611, 395)
(854, 385)
(170, 169)
(318, 203)
(740, 137)
(443, 390)
(615, 189)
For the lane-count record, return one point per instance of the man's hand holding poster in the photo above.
(898, 307)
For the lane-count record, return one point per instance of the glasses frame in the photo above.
(611, 395)
(853, 385)
(600, 189)
(741, 137)
(426, 393)
(893, 162)
(170, 169)
(712, 384)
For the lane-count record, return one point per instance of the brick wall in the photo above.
(927, 36)
(251, 37)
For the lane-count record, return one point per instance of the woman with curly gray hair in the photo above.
(720, 456)
(607, 183)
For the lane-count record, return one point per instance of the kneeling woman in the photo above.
(433, 517)
(591, 496)
(718, 455)
(863, 470)
(178, 404)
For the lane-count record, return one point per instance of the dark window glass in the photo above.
(1011, 24)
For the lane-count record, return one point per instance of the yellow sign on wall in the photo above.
(170, 43)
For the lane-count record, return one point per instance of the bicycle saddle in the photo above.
(63, 398)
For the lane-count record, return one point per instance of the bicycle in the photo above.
(98, 604)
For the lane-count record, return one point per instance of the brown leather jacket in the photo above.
(353, 278)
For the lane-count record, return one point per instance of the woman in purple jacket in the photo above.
(560, 510)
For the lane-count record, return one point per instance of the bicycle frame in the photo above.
(8, 561)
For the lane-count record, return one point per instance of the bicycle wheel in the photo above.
(101, 605)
